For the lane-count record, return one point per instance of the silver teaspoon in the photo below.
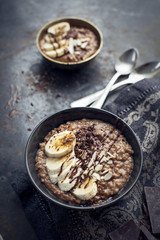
(147, 70)
(123, 66)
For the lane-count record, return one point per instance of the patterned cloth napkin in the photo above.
(139, 106)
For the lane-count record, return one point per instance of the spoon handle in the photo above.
(99, 103)
(85, 101)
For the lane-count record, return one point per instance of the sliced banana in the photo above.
(71, 162)
(60, 144)
(58, 170)
(60, 37)
(60, 51)
(69, 182)
(57, 52)
(62, 42)
(87, 190)
(53, 178)
(51, 53)
(53, 165)
(48, 38)
(66, 185)
(55, 45)
(59, 28)
(48, 46)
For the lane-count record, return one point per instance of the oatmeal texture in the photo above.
(112, 163)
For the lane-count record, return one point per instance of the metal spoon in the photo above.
(147, 70)
(123, 66)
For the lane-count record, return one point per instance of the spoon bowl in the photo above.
(127, 61)
(147, 70)
(123, 66)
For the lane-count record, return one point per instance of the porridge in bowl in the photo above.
(84, 161)
(66, 43)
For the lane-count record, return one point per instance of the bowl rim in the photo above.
(81, 207)
(70, 63)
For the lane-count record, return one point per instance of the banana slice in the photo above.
(59, 167)
(60, 51)
(64, 170)
(51, 53)
(53, 165)
(55, 45)
(60, 144)
(53, 178)
(48, 38)
(87, 190)
(69, 182)
(71, 162)
(62, 42)
(60, 37)
(59, 28)
(48, 46)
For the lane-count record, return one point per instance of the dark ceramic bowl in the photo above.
(55, 120)
(77, 22)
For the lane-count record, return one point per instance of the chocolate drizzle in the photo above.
(86, 185)
(61, 169)
(116, 123)
(123, 127)
(89, 163)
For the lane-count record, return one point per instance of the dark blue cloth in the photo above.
(139, 106)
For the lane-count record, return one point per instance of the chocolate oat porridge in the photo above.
(84, 161)
(67, 43)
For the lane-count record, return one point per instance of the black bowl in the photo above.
(55, 120)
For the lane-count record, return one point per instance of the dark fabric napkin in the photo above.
(139, 106)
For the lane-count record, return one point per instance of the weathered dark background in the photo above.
(30, 88)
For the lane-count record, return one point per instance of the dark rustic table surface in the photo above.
(31, 88)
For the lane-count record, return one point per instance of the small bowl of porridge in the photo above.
(69, 42)
(83, 158)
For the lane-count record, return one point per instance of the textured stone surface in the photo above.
(30, 88)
